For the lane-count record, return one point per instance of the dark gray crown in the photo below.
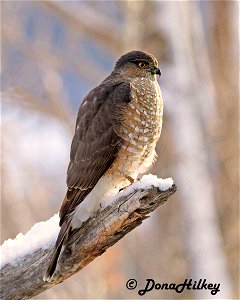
(135, 56)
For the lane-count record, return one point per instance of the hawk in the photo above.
(118, 125)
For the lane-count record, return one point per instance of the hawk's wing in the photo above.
(95, 143)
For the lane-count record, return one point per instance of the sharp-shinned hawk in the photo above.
(118, 125)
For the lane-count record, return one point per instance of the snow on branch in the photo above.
(24, 260)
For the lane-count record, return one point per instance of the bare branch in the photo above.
(24, 279)
(98, 28)
(52, 60)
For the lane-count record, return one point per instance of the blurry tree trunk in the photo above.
(224, 55)
(189, 81)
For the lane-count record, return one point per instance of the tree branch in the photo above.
(23, 280)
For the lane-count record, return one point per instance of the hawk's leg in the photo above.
(130, 179)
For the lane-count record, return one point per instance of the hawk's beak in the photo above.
(156, 71)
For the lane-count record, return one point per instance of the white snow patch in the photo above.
(147, 182)
(40, 236)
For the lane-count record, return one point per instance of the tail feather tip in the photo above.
(47, 278)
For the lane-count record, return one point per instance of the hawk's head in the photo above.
(138, 63)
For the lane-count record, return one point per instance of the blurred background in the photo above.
(53, 53)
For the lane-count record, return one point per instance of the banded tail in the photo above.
(63, 233)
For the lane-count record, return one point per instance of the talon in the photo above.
(129, 178)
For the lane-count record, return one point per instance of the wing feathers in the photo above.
(96, 142)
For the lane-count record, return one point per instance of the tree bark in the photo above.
(23, 280)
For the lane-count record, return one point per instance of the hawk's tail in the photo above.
(56, 251)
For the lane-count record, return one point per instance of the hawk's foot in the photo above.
(131, 182)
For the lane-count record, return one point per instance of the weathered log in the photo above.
(24, 279)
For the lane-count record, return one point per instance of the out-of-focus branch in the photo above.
(42, 54)
(98, 28)
(24, 279)
(23, 97)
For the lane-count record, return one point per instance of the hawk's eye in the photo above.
(142, 64)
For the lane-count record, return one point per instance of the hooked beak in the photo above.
(156, 71)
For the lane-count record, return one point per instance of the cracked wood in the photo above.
(24, 279)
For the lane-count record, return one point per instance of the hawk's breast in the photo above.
(141, 128)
